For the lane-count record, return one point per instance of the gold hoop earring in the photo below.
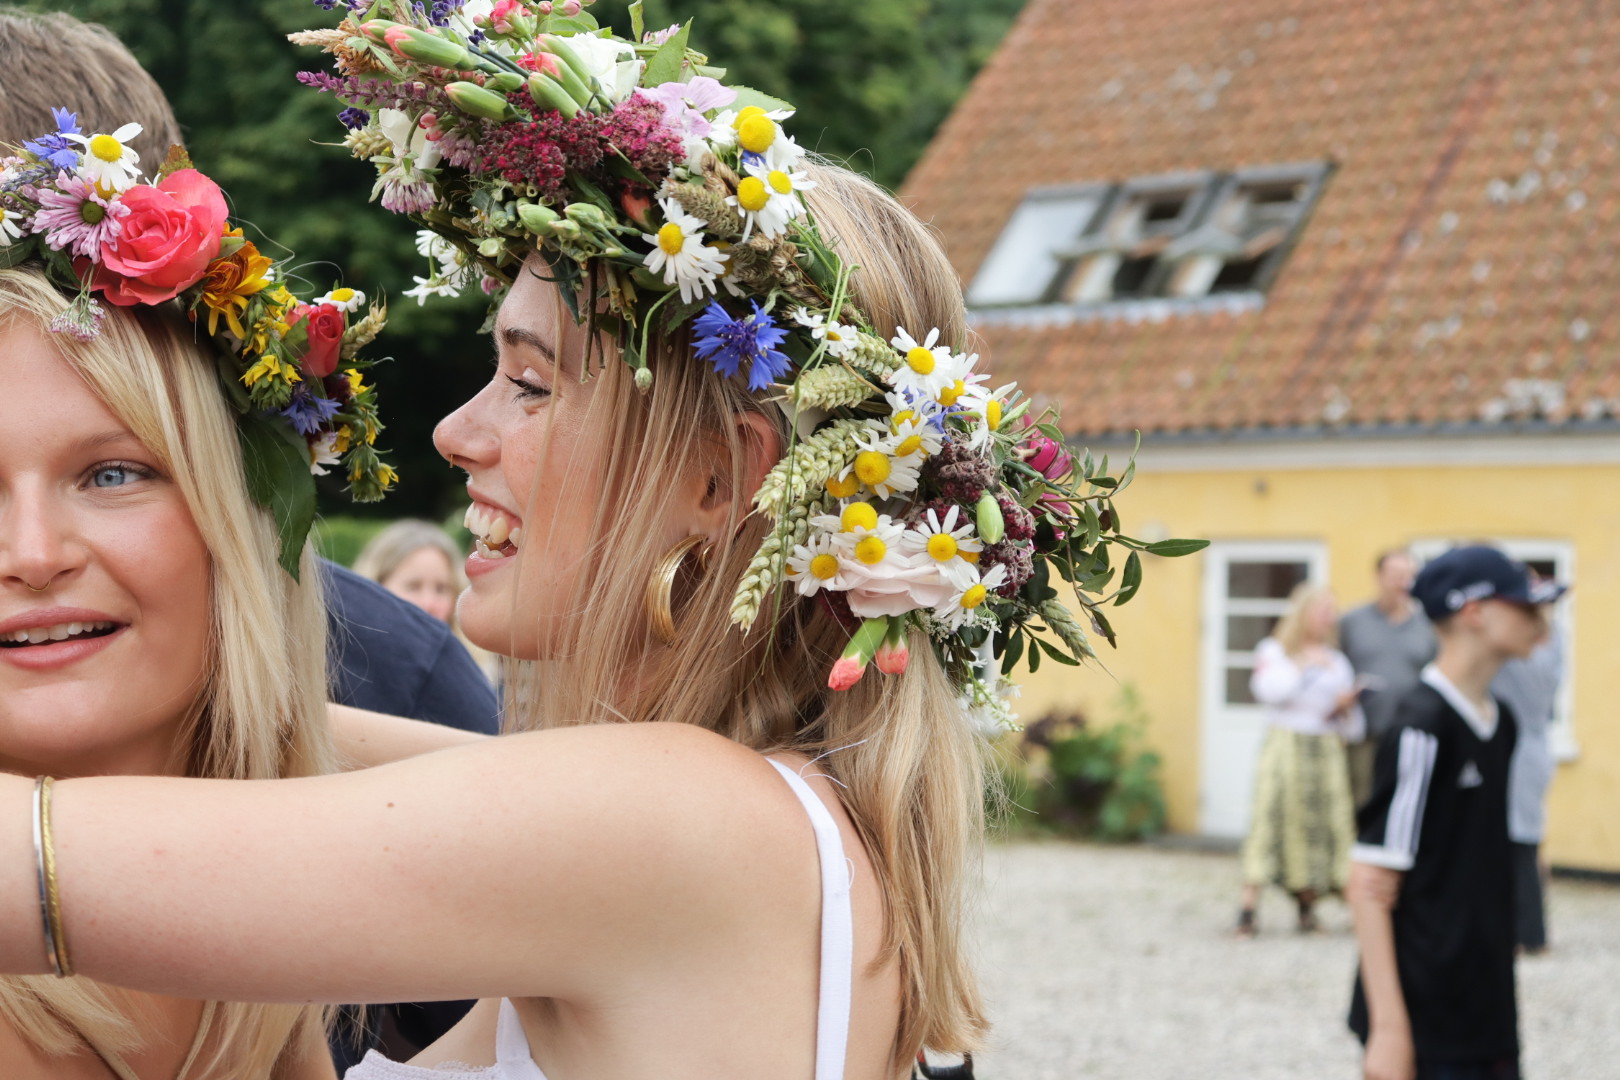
(661, 586)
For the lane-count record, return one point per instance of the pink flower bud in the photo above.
(892, 659)
(846, 673)
(572, 7)
(1048, 458)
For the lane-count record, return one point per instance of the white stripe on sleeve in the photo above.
(1403, 824)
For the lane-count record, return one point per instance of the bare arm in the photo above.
(546, 864)
(367, 739)
(1373, 892)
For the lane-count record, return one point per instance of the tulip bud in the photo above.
(536, 218)
(474, 100)
(992, 527)
(549, 94)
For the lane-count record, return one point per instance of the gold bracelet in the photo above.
(53, 897)
(39, 861)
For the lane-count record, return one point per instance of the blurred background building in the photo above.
(1350, 270)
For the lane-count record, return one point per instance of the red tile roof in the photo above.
(1462, 266)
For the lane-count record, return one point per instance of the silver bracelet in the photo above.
(39, 861)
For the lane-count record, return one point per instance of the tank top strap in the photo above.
(512, 1053)
(837, 932)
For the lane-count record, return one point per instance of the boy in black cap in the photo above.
(1431, 885)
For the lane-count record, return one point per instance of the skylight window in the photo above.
(1184, 235)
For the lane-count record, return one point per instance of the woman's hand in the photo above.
(1390, 1055)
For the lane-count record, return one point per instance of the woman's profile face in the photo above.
(104, 580)
(529, 467)
(426, 579)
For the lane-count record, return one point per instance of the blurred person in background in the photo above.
(1303, 825)
(1530, 688)
(1387, 641)
(417, 562)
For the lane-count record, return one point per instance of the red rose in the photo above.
(325, 329)
(171, 234)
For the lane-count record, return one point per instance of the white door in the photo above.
(1246, 587)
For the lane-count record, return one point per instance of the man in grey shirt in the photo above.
(1388, 641)
(1529, 687)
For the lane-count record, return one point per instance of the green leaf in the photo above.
(1015, 652)
(747, 95)
(1130, 580)
(1171, 549)
(1056, 653)
(665, 65)
(276, 459)
(1099, 623)
(1093, 526)
(1034, 657)
(583, 23)
(13, 254)
(638, 20)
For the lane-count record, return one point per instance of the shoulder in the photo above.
(1270, 649)
(1423, 709)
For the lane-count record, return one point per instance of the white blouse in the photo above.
(1302, 697)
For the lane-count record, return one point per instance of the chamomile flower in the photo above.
(915, 438)
(344, 299)
(840, 339)
(11, 226)
(757, 130)
(680, 254)
(880, 469)
(323, 452)
(966, 601)
(107, 162)
(821, 564)
(929, 368)
(768, 197)
(946, 543)
(983, 409)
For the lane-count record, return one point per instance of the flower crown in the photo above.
(78, 204)
(913, 493)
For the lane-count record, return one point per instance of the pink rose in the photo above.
(169, 237)
(325, 329)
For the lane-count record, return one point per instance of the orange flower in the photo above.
(230, 281)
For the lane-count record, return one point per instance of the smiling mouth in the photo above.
(495, 533)
(50, 635)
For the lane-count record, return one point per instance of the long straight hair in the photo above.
(260, 713)
(1290, 629)
(909, 767)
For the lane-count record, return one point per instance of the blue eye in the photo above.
(112, 476)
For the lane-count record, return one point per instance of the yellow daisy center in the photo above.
(872, 466)
(752, 194)
(942, 546)
(672, 238)
(106, 191)
(992, 414)
(746, 113)
(948, 396)
(106, 148)
(858, 516)
(780, 182)
(871, 550)
(899, 418)
(974, 597)
(843, 489)
(343, 296)
(920, 360)
(756, 133)
(909, 445)
(833, 334)
(824, 566)
(970, 556)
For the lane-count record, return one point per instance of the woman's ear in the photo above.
(721, 507)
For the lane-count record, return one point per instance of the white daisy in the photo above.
(106, 161)
(680, 254)
(432, 286)
(768, 198)
(342, 298)
(969, 596)
(946, 544)
(323, 452)
(880, 469)
(840, 339)
(983, 408)
(11, 226)
(929, 368)
(823, 563)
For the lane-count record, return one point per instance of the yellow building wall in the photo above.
(1357, 513)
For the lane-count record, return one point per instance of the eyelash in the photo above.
(527, 390)
(140, 471)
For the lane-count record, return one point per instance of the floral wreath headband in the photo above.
(77, 203)
(913, 493)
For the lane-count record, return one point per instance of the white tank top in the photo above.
(514, 1061)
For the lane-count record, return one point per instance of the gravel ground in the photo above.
(1117, 962)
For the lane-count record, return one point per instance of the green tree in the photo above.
(872, 80)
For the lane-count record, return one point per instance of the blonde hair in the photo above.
(397, 542)
(1290, 629)
(261, 712)
(910, 769)
(56, 61)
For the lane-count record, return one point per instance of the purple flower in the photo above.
(309, 413)
(354, 118)
(728, 343)
(685, 103)
(73, 215)
(58, 149)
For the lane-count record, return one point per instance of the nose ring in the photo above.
(42, 588)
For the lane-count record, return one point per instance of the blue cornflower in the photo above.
(309, 413)
(58, 149)
(354, 118)
(727, 343)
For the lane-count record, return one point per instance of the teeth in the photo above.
(513, 539)
(491, 527)
(35, 635)
(498, 531)
(487, 552)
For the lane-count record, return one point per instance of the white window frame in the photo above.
(1561, 553)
